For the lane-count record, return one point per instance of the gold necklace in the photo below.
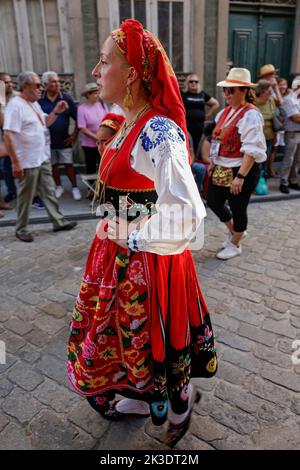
(124, 131)
(117, 142)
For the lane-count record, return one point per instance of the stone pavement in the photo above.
(252, 403)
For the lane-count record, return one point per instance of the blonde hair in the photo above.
(186, 83)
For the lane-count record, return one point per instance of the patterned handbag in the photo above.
(222, 176)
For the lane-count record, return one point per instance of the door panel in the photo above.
(258, 39)
(277, 43)
(242, 41)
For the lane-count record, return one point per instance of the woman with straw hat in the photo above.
(238, 146)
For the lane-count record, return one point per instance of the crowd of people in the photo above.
(29, 141)
(278, 104)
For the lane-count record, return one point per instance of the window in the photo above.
(34, 36)
(170, 20)
(132, 9)
(170, 31)
(10, 59)
(44, 31)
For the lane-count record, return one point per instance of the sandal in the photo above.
(175, 432)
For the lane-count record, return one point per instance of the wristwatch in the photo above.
(240, 176)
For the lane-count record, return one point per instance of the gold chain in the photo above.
(118, 140)
(127, 127)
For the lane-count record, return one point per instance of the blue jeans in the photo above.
(5, 167)
(199, 171)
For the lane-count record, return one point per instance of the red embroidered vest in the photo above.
(229, 136)
(118, 177)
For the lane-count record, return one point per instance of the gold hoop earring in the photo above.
(128, 100)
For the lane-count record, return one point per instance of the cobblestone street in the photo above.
(252, 403)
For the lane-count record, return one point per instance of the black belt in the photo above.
(131, 205)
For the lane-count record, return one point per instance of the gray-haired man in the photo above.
(61, 140)
(28, 143)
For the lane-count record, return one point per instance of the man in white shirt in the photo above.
(5, 163)
(291, 161)
(27, 139)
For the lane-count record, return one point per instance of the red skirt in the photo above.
(140, 324)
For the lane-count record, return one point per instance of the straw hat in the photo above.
(89, 88)
(267, 70)
(237, 77)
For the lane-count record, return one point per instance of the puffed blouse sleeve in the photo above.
(160, 154)
(251, 130)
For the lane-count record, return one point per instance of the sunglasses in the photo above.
(193, 81)
(230, 90)
(37, 85)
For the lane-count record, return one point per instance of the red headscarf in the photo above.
(145, 53)
(113, 121)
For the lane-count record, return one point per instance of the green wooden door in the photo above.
(258, 36)
(243, 40)
(275, 46)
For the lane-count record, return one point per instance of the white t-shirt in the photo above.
(30, 133)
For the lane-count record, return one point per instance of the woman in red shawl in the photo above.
(140, 327)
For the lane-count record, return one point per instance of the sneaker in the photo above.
(59, 192)
(284, 188)
(38, 203)
(229, 238)
(129, 406)
(76, 194)
(230, 251)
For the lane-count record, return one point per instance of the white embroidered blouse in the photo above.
(160, 154)
(252, 138)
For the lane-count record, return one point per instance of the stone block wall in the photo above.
(90, 35)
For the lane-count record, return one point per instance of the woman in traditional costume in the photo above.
(140, 327)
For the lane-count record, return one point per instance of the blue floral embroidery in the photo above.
(164, 131)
